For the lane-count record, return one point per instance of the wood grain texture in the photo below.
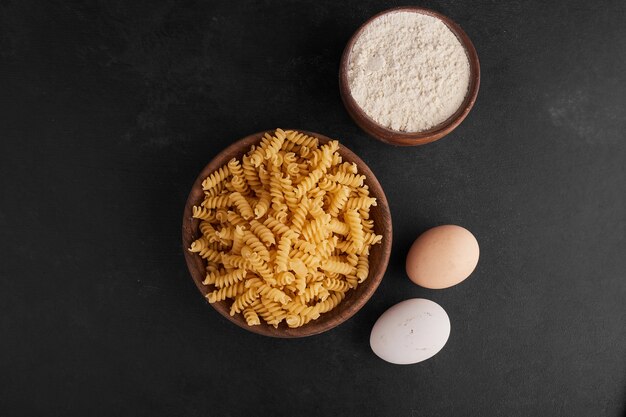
(355, 299)
(395, 137)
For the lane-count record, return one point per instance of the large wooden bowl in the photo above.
(355, 299)
(395, 137)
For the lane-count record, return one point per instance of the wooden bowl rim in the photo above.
(315, 327)
(395, 137)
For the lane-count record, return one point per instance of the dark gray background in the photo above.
(109, 109)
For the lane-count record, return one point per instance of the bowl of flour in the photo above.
(409, 76)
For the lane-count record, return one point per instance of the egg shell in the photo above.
(442, 257)
(410, 332)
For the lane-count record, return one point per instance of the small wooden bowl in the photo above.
(395, 137)
(355, 299)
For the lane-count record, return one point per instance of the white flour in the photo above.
(408, 71)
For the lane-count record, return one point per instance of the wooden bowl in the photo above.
(355, 299)
(395, 137)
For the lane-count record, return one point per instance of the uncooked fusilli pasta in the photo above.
(285, 230)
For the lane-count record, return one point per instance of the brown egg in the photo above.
(442, 257)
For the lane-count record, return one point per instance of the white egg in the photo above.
(410, 332)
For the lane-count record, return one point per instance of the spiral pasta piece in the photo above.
(274, 144)
(360, 203)
(294, 320)
(202, 213)
(208, 231)
(226, 292)
(234, 168)
(291, 199)
(316, 230)
(250, 174)
(240, 185)
(258, 265)
(255, 245)
(299, 217)
(348, 168)
(264, 176)
(308, 182)
(244, 300)
(371, 238)
(261, 207)
(311, 261)
(210, 254)
(199, 244)
(350, 180)
(276, 164)
(235, 219)
(229, 278)
(271, 311)
(274, 294)
(338, 201)
(332, 284)
(236, 261)
(277, 227)
(315, 157)
(362, 268)
(298, 308)
(215, 191)
(343, 268)
(325, 156)
(282, 255)
(297, 320)
(330, 186)
(262, 232)
(257, 158)
(353, 220)
(276, 191)
(331, 301)
(215, 178)
(211, 276)
(225, 233)
(219, 201)
(242, 205)
(251, 317)
(297, 139)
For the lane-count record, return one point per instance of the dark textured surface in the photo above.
(110, 109)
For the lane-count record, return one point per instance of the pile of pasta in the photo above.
(286, 231)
